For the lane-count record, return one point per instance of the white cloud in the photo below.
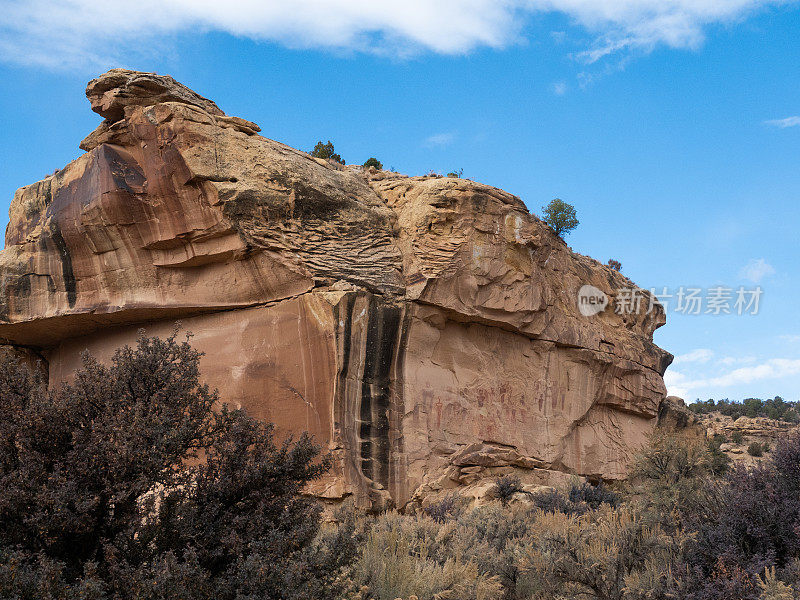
(784, 123)
(440, 139)
(680, 384)
(736, 360)
(89, 33)
(676, 383)
(756, 269)
(701, 355)
(559, 88)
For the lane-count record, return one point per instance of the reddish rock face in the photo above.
(400, 320)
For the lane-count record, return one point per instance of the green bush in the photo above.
(373, 162)
(755, 449)
(326, 151)
(737, 437)
(560, 216)
(719, 462)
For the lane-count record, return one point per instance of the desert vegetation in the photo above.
(677, 529)
(561, 216)
(126, 484)
(776, 408)
(327, 152)
(134, 481)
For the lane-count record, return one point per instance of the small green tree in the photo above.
(326, 151)
(373, 162)
(560, 216)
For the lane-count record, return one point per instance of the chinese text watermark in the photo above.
(716, 300)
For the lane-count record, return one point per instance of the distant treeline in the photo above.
(776, 408)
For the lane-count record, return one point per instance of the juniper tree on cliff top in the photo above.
(560, 216)
(326, 151)
(126, 484)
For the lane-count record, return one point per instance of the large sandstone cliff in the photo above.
(424, 329)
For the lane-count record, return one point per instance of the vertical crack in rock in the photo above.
(368, 333)
(70, 283)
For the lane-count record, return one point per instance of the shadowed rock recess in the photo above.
(424, 329)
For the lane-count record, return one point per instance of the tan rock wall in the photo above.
(401, 320)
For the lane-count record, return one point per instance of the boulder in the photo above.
(414, 325)
(674, 415)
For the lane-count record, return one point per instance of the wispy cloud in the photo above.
(701, 355)
(559, 88)
(784, 123)
(89, 33)
(680, 384)
(736, 360)
(676, 383)
(439, 140)
(756, 270)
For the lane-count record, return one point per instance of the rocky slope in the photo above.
(424, 329)
(739, 434)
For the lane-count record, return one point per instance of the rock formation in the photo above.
(737, 435)
(425, 329)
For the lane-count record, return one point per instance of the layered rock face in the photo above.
(425, 329)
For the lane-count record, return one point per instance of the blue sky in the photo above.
(673, 126)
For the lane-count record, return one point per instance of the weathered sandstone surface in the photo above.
(424, 329)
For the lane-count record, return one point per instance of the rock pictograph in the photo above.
(425, 329)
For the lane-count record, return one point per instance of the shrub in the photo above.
(717, 440)
(373, 162)
(555, 501)
(773, 588)
(506, 487)
(737, 437)
(602, 554)
(560, 216)
(593, 495)
(457, 174)
(755, 449)
(579, 499)
(409, 555)
(754, 521)
(719, 462)
(326, 151)
(443, 510)
(670, 476)
(104, 492)
(614, 264)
